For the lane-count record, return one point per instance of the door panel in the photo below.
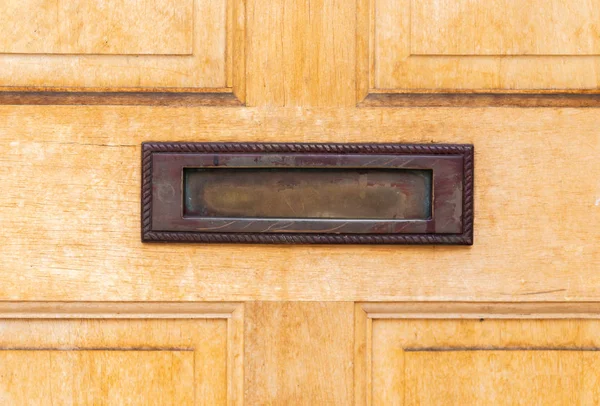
(517, 377)
(108, 376)
(410, 356)
(125, 45)
(88, 27)
(101, 353)
(481, 45)
(502, 27)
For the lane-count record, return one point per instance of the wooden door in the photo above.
(91, 315)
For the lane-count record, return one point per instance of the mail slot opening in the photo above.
(308, 193)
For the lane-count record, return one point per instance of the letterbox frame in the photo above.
(449, 162)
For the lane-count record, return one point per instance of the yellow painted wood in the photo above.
(561, 39)
(90, 27)
(478, 362)
(301, 53)
(70, 209)
(518, 377)
(236, 49)
(505, 27)
(298, 353)
(71, 188)
(130, 361)
(122, 44)
(96, 377)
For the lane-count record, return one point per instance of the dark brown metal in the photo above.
(308, 193)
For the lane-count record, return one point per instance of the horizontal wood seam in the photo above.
(183, 99)
(526, 100)
(506, 349)
(83, 348)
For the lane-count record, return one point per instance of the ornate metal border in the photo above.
(464, 238)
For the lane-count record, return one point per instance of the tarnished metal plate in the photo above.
(328, 193)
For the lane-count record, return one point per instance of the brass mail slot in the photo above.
(328, 193)
(307, 193)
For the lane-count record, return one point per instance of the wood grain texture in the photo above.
(236, 50)
(363, 353)
(89, 377)
(484, 361)
(505, 27)
(301, 53)
(124, 27)
(561, 62)
(204, 43)
(365, 47)
(232, 314)
(70, 208)
(516, 377)
(298, 353)
(116, 361)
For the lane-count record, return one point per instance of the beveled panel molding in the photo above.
(209, 342)
(397, 343)
(194, 57)
(419, 54)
